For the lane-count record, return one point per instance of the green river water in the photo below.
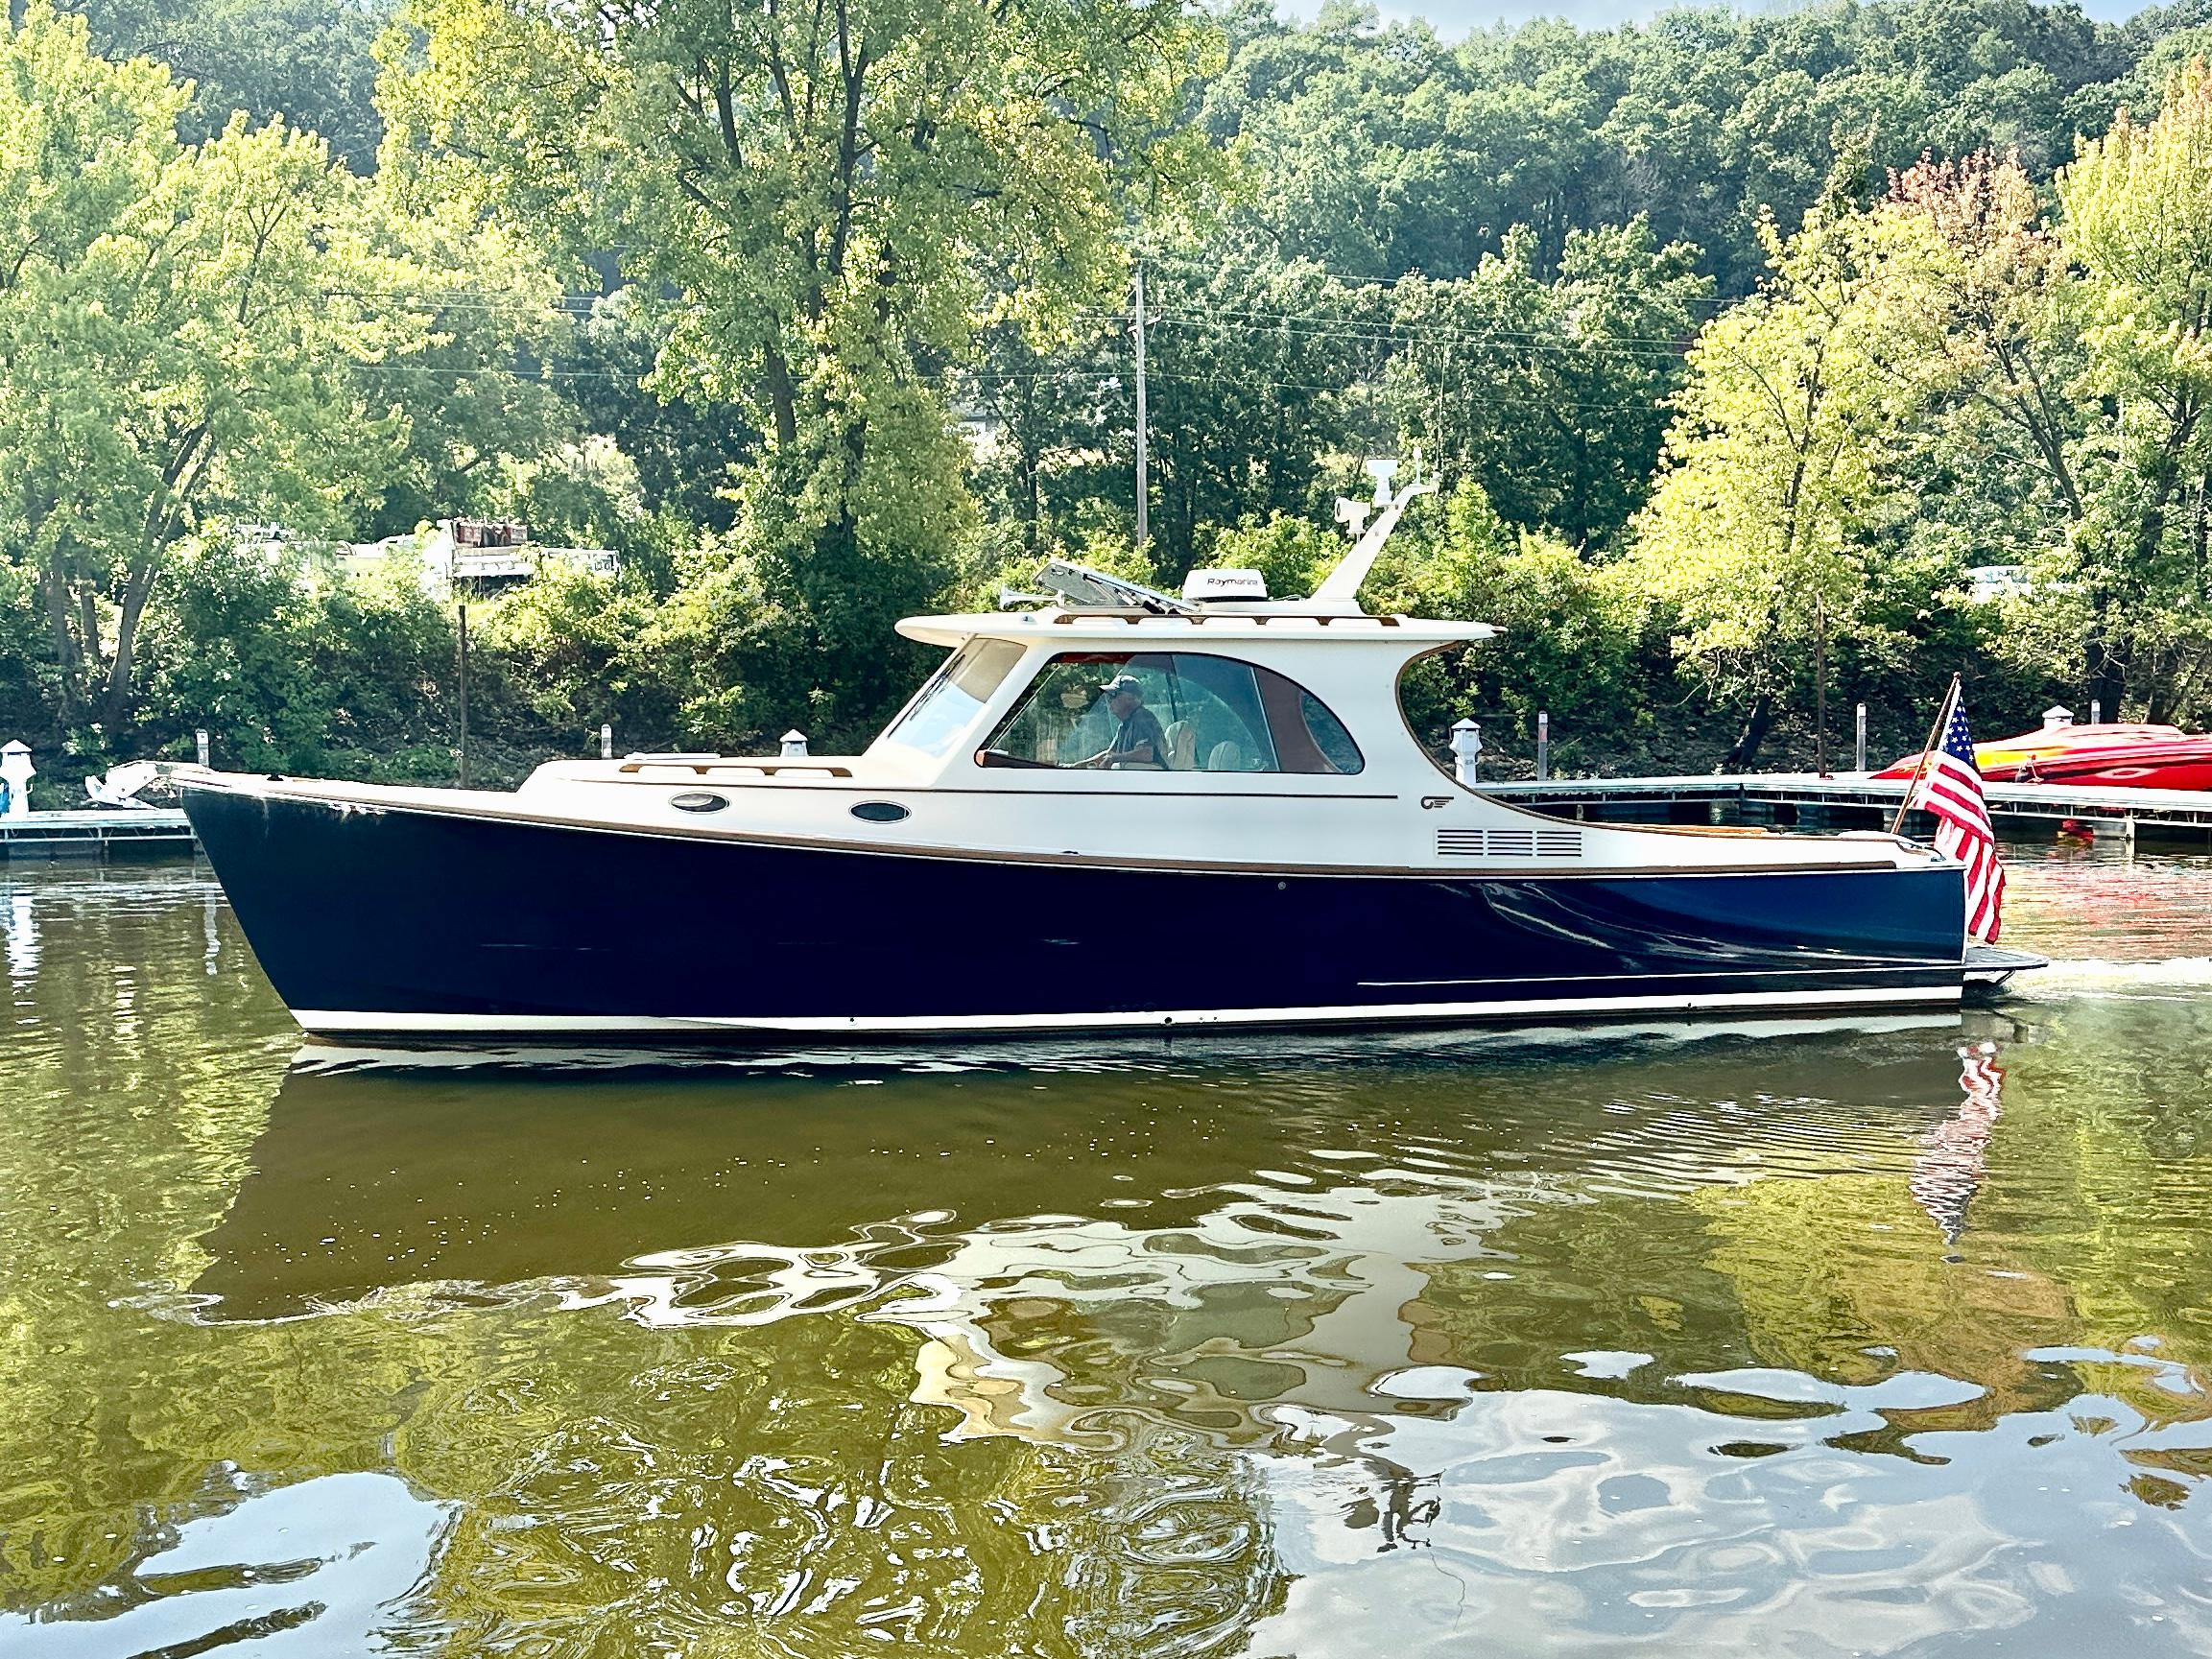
(1883, 1338)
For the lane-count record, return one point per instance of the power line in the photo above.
(1380, 335)
(1494, 397)
(1333, 334)
(1382, 332)
(1378, 332)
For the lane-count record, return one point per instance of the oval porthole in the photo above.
(698, 800)
(880, 812)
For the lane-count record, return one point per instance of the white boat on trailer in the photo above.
(1122, 810)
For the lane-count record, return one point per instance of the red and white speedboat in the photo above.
(2122, 755)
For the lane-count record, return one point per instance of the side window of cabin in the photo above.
(1190, 711)
(942, 710)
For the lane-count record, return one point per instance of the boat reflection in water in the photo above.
(1780, 1341)
(1247, 1348)
(1075, 1236)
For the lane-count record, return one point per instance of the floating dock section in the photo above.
(53, 836)
(1851, 800)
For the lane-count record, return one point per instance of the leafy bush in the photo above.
(576, 650)
(1570, 634)
(289, 662)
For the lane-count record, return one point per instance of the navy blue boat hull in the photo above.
(394, 921)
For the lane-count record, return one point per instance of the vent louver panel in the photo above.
(1510, 844)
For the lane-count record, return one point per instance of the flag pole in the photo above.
(1943, 714)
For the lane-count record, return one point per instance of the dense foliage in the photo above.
(1739, 339)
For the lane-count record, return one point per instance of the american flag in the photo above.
(1955, 1156)
(1950, 786)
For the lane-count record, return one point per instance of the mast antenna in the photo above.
(1341, 585)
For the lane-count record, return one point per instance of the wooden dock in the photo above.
(1850, 800)
(52, 835)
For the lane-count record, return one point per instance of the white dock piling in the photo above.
(1467, 750)
(15, 774)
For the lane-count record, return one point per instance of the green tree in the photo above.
(580, 651)
(1554, 395)
(1055, 458)
(1381, 151)
(2136, 218)
(168, 347)
(1755, 537)
(311, 61)
(1255, 371)
(1997, 308)
(1569, 639)
(1988, 472)
(484, 379)
(687, 452)
(824, 193)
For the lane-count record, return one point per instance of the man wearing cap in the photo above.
(1139, 740)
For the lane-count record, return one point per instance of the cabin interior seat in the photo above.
(1183, 739)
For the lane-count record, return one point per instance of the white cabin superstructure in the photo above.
(1400, 810)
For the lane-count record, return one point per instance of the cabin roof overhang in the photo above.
(1142, 630)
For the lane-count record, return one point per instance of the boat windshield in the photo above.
(1170, 711)
(932, 723)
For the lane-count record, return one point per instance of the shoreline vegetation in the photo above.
(1874, 334)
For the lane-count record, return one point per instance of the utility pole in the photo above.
(1144, 481)
(1819, 687)
(464, 653)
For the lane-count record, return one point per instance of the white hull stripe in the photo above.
(1869, 965)
(325, 1020)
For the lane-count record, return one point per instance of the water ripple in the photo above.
(1890, 1336)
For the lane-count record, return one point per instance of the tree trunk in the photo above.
(115, 702)
(54, 589)
(1028, 499)
(782, 403)
(2108, 665)
(1753, 733)
(2199, 533)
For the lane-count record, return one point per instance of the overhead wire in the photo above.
(1379, 331)
(1495, 397)
(1653, 348)
(1334, 332)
